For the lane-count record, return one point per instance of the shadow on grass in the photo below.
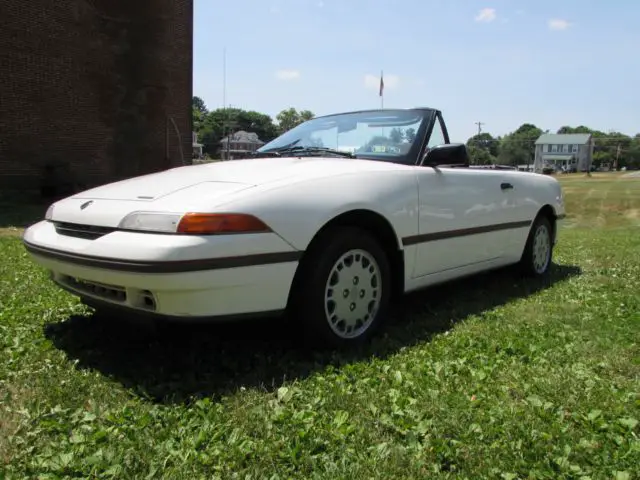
(212, 360)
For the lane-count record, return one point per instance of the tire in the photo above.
(335, 310)
(538, 252)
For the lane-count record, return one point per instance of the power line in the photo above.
(613, 140)
(479, 126)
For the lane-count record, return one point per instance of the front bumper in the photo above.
(170, 275)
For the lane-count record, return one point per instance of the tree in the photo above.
(410, 134)
(480, 156)
(633, 156)
(396, 135)
(306, 115)
(518, 147)
(221, 122)
(486, 142)
(199, 105)
(290, 118)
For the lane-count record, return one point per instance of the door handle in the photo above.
(506, 186)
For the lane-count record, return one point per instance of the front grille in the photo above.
(116, 294)
(111, 293)
(89, 232)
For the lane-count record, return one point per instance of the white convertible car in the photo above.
(327, 222)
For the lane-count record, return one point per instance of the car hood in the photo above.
(227, 177)
(199, 186)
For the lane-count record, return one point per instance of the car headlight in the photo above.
(193, 223)
(151, 222)
(48, 215)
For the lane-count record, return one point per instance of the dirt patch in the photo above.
(11, 232)
(632, 213)
(9, 418)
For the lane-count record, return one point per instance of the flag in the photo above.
(381, 84)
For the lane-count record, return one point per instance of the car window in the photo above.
(385, 135)
(437, 135)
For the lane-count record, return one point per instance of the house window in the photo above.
(574, 148)
(554, 148)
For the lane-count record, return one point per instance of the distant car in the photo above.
(325, 235)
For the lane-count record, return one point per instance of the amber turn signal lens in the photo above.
(212, 223)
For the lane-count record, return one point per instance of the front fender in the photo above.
(298, 211)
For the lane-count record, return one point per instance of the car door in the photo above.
(463, 215)
(461, 219)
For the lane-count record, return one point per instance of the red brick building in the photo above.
(93, 91)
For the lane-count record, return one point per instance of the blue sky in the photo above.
(502, 62)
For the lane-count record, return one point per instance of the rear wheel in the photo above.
(342, 293)
(538, 252)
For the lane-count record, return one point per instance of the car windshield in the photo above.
(380, 135)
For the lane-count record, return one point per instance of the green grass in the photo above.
(491, 377)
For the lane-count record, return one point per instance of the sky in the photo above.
(502, 63)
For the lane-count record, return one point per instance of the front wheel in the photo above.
(343, 290)
(536, 258)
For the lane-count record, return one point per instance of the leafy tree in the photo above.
(290, 118)
(396, 135)
(580, 129)
(306, 115)
(410, 134)
(486, 142)
(633, 155)
(480, 156)
(198, 118)
(218, 123)
(518, 147)
(199, 105)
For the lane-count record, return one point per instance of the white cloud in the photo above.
(287, 75)
(486, 15)
(558, 24)
(373, 81)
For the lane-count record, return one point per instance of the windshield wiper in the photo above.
(268, 153)
(302, 149)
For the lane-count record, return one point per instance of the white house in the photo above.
(573, 151)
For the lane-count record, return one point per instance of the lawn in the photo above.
(491, 377)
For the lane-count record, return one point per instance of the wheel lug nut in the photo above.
(352, 307)
(345, 293)
(361, 293)
(355, 280)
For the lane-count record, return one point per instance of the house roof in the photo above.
(563, 139)
(243, 137)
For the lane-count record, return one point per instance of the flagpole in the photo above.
(382, 96)
(381, 89)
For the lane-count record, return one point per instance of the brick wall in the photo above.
(93, 91)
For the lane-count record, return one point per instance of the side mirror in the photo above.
(447, 154)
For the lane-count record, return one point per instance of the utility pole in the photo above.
(479, 127)
(224, 99)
